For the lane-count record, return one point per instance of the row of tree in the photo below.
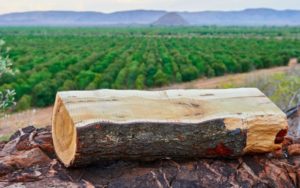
(79, 59)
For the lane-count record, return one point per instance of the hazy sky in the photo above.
(116, 5)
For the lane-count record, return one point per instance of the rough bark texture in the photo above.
(148, 141)
(28, 160)
(173, 124)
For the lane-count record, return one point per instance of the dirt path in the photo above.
(237, 79)
(42, 117)
(37, 117)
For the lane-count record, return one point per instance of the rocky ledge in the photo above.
(28, 160)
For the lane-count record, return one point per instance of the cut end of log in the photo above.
(63, 133)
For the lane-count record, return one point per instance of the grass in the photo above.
(4, 138)
(282, 88)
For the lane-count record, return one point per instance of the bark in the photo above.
(150, 141)
(89, 126)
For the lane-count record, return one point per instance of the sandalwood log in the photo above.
(146, 125)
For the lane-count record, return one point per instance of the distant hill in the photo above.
(248, 17)
(171, 19)
(65, 18)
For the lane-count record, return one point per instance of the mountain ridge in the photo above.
(247, 17)
(171, 19)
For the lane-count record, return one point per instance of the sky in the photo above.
(7, 6)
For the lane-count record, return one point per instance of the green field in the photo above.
(51, 59)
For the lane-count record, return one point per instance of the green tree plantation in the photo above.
(52, 59)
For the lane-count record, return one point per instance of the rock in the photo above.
(34, 164)
(2, 144)
(26, 130)
(294, 149)
(22, 160)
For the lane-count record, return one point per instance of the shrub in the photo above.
(220, 69)
(178, 77)
(282, 88)
(139, 83)
(189, 73)
(7, 97)
(160, 78)
(43, 94)
(24, 103)
(68, 85)
(84, 78)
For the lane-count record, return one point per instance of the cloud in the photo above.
(116, 5)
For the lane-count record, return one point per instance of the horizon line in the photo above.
(132, 10)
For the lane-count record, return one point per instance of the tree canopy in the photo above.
(133, 57)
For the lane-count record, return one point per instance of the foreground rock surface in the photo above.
(28, 160)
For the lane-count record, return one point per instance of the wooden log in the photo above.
(147, 125)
